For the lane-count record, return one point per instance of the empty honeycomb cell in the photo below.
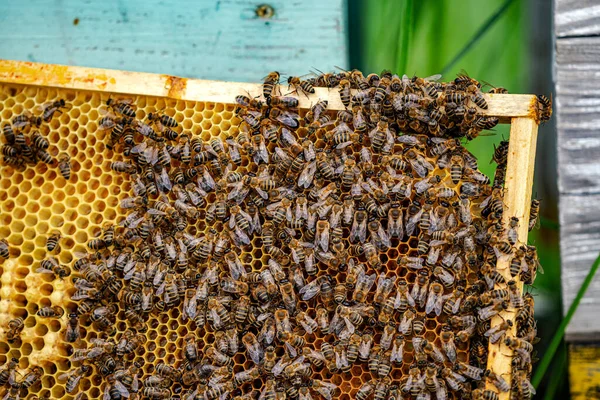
(58, 392)
(31, 220)
(94, 184)
(58, 208)
(81, 237)
(5, 219)
(84, 209)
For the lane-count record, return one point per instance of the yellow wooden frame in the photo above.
(521, 111)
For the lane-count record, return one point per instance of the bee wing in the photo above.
(310, 290)
(164, 181)
(41, 270)
(383, 236)
(261, 193)
(412, 222)
(65, 376)
(121, 388)
(322, 240)
(106, 395)
(431, 301)
(433, 78)
(307, 175)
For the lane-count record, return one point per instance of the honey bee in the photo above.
(366, 390)
(247, 101)
(73, 333)
(49, 109)
(122, 107)
(7, 370)
(51, 312)
(345, 92)
(4, 249)
(544, 107)
(269, 85)
(24, 120)
(163, 119)
(15, 327)
(9, 134)
(73, 377)
(300, 86)
(64, 165)
(38, 141)
(364, 283)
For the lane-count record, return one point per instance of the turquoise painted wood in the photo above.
(191, 38)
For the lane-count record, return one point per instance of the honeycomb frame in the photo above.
(28, 224)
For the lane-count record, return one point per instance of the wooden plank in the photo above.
(114, 81)
(210, 39)
(517, 198)
(584, 372)
(576, 18)
(578, 118)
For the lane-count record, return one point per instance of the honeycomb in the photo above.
(37, 201)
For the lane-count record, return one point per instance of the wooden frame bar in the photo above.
(503, 106)
(519, 110)
(517, 199)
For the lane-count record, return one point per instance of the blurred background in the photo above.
(505, 43)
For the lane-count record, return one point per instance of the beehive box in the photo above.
(37, 201)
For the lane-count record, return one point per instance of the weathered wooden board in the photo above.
(578, 120)
(210, 39)
(577, 17)
(584, 372)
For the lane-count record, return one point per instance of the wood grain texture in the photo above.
(517, 199)
(577, 18)
(578, 119)
(584, 374)
(210, 39)
(504, 106)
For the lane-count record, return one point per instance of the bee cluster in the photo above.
(25, 144)
(304, 255)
